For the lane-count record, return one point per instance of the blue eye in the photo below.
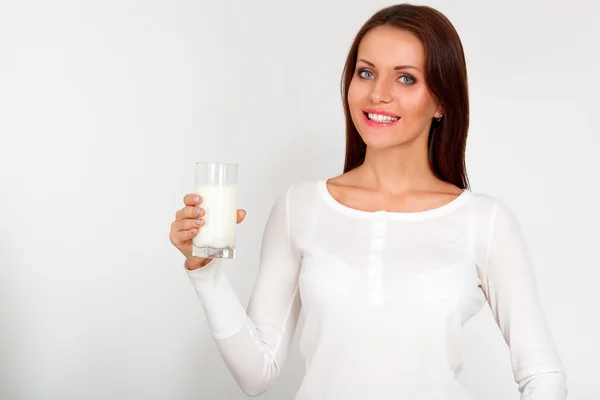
(362, 72)
(411, 79)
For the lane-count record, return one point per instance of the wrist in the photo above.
(196, 263)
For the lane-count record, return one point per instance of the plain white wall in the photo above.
(105, 107)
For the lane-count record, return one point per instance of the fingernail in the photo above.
(197, 222)
(198, 212)
(196, 199)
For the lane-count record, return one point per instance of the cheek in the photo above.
(356, 99)
(418, 104)
(355, 94)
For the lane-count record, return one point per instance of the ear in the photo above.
(439, 110)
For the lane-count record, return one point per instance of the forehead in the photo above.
(388, 46)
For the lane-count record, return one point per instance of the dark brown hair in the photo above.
(446, 78)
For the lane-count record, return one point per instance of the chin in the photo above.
(380, 141)
(384, 140)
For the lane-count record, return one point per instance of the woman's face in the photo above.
(389, 101)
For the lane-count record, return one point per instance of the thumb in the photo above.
(241, 214)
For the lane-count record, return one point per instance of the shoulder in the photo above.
(487, 204)
(306, 188)
(301, 192)
(297, 203)
(495, 217)
(496, 226)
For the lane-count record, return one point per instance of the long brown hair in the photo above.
(446, 78)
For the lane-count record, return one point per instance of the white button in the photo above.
(374, 272)
(379, 228)
(375, 277)
(374, 259)
(376, 285)
(375, 297)
(377, 244)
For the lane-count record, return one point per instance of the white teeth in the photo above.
(381, 118)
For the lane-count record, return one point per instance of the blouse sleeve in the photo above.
(510, 288)
(254, 342)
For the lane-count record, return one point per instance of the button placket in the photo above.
(375, 264)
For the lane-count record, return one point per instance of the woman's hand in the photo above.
(188, 221)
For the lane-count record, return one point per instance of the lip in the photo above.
(382, 112)
(379, 111)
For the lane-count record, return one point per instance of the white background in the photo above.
(106, 105)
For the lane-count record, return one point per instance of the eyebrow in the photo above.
(395, 68)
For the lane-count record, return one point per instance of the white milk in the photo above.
(220, 216)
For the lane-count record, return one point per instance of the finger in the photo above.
(178, 238)
(187, 224)
(192, 199)
(241, 214)
(184, 236)
(189, 212)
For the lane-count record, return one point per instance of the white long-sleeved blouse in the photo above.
(385, 295)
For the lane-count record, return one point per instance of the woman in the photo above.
(391, 258)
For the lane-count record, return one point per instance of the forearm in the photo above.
(253, 354)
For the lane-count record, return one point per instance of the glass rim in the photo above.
(221, 164)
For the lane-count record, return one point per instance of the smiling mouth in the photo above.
(379, 119)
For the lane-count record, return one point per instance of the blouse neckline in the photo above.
(397, 215)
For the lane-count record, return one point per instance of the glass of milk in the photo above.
(216, 184)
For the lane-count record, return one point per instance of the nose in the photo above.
(381, 92)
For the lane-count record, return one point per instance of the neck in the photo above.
(399, 169)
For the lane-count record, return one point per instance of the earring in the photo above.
(439, 118)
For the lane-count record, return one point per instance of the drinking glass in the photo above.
(216, 184)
